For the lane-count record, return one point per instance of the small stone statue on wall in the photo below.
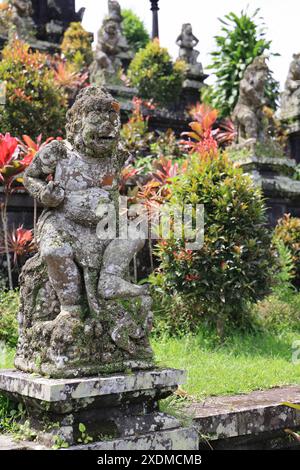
(290, 101)
(79, 314)
(248, 113)
(23, 24)
(112, 50)
(187, 42)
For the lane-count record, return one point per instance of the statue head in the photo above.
(93, 123)
(187, 28)
(257, 72)
(110, 27)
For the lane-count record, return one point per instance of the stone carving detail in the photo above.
(186, 42)
(290, 101)
(248, 113)
(53, 17)
(79, 314)
(112, 50)
(194, 73)
(21, 18)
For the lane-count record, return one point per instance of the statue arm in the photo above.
(179, 40)
(35, 177)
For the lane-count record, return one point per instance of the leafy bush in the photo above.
(134, 30)
(242, 39)
(9, 305)
(76, 46)
(233, 268)
(155, 75)
(34, 101)
(287, 231)
(279, 314)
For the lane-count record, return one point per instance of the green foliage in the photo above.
(9, 305)
(233, 268)
(84, 437)
(10, 415)
(76, 46)
(287, 232)
(242, 363)
(155, 75)
(34, 101)
(242, 39)
(134, 30)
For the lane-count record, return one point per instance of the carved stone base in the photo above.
(119, 412)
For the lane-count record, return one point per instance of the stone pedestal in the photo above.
(275, 177)
(119, 412)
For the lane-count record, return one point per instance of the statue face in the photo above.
(111, 28)
(101, 132)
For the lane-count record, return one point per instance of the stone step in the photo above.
(255, 414)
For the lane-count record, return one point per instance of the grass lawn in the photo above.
(240, 365)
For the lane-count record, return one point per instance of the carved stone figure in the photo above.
(21, 18)
(79, 314)
(186, 42)
(53, 17)
(290, 101)
(112, 50)
(248, 113)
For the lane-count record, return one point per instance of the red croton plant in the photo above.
(15, 156)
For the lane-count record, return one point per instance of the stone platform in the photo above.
(118, 411)
(254, 421)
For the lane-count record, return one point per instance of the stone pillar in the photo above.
(155, 26)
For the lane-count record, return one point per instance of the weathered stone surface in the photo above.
(118, 411)
(257, 412)
(7, 442)
(290, 99)
(176, 439)
(57, 390)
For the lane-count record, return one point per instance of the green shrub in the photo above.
(155, 75)
(279, 314)
(77, 47)
(287, 231)
(233, 268)
(9, 305)
(134, 30)
(242, 39)
(34, 101)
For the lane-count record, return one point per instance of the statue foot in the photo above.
(69, 310)
(114, 287)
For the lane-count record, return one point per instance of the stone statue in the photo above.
(79, 314)
(186, 42)
(290, 101)
(248, 113)
(112, 50)
(21, 19)
(53, 17)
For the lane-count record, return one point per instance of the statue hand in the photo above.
(53, 195)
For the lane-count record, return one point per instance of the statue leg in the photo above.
(64, 274)
(116, 260)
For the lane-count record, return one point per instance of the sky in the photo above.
(281, 18)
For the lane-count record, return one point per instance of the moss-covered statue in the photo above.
(290, 100)
(248, 113)
(79, 314)
(112, 51)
